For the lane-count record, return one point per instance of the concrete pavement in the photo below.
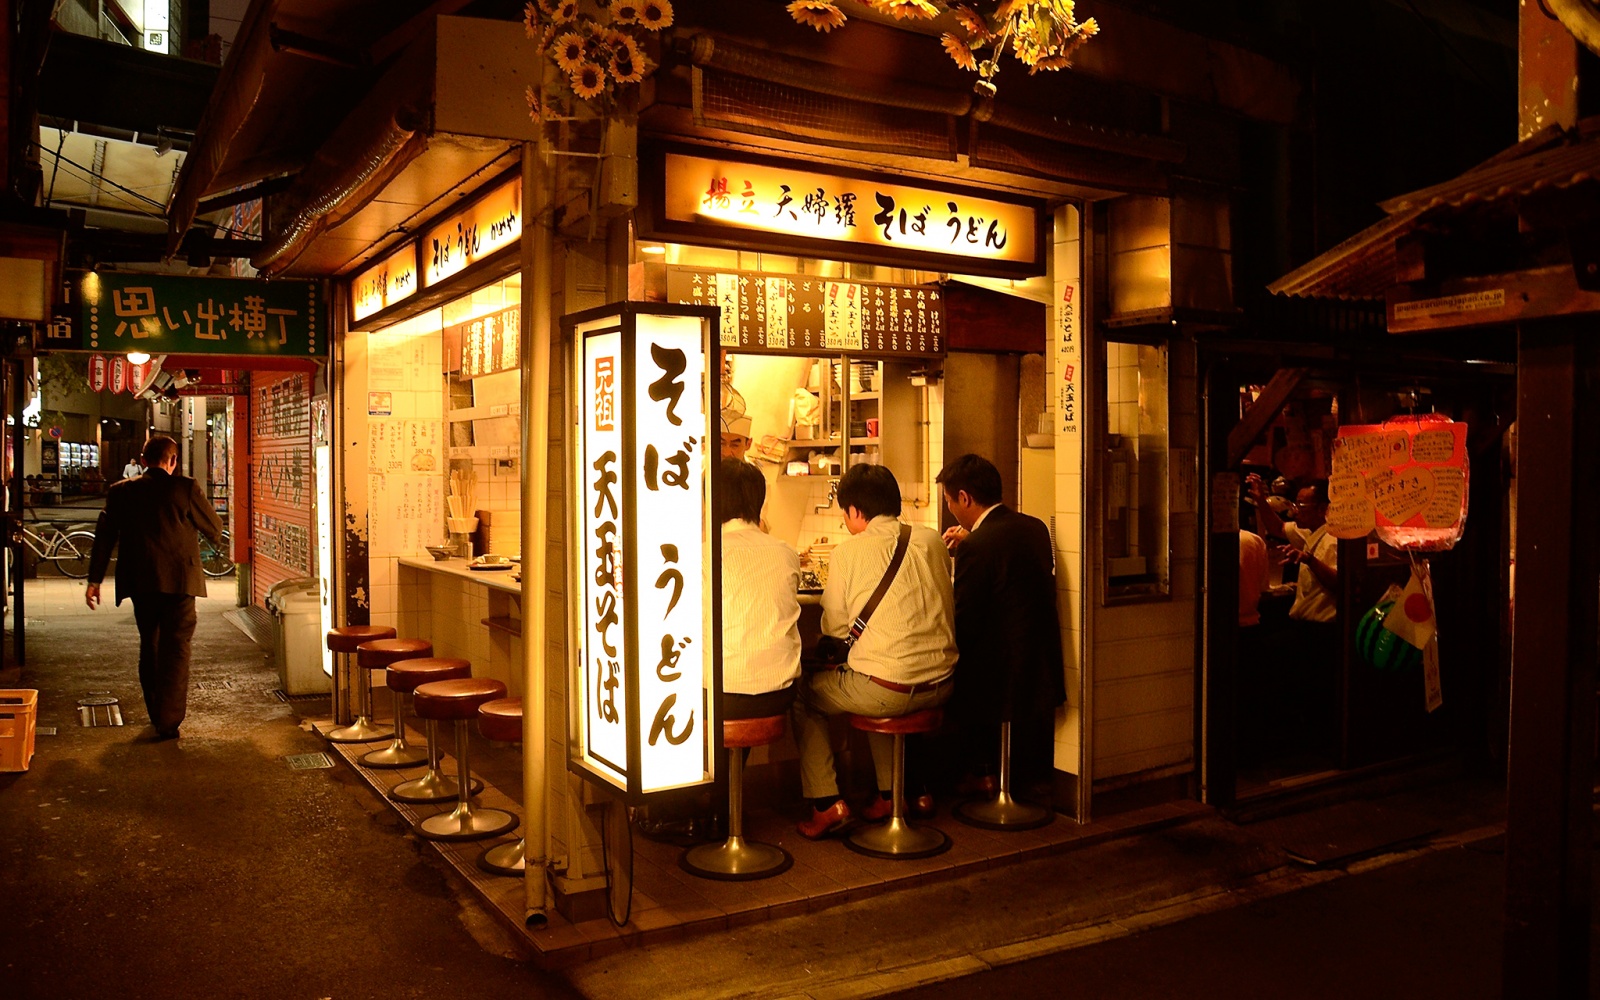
(209, 868)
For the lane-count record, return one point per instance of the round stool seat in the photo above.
(379, 653)
(346, 638)
(756, 732)
(925, 721)
(501, 720)
(457, 699)
(405, 675)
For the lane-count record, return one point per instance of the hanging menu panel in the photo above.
(803, 314)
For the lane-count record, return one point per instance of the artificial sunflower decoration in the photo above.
(1040, 34)
(535, 112)
(656, 14)
(588, 81)
(569, 51)
(598, 45)
(921, 10)
(823, 15)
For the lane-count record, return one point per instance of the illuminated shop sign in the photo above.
(805, 314)
(645, 651)
(490, 223)
(180, 314)
(792, 206)
(489, 344)
(391, 280)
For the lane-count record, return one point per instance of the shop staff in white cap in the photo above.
(735, 434)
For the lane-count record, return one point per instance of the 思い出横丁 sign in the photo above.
(794, 206)
(179, 314)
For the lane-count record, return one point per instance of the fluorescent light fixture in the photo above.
(653, 248)
(137, 357)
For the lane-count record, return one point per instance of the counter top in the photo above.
(499, 579)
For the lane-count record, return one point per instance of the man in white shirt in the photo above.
(902, 662)
(760, 602)
(133, 470)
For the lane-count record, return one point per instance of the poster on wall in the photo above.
(1406, 479)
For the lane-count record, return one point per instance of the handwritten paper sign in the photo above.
(1406, 479)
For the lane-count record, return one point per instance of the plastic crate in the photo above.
(19, 716)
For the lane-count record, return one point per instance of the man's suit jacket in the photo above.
(1007, 628)
(153, 522)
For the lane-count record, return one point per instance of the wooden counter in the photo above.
(472, 614)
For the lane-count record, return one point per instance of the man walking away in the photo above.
(152, 522)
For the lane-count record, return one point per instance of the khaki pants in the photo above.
(827, 693)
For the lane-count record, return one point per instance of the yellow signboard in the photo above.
(492, 222)
(793, 205)
(391, 280)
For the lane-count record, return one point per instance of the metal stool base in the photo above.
(1004, 813)
(396, 756)
(361, 731)
(431, 787)
(505, 859)
(467, 823)
(898, 840)
(736, 860)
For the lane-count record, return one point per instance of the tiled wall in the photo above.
(1065, 400)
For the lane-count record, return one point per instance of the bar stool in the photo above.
(1004, 812)
(458, 701)
(435, 786)
(898, 839)
(501, 720)
(401, 676)
(737, 859)
(343, 641)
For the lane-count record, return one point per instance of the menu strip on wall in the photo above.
(806, 314)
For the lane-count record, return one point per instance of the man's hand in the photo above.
(91, 595)
(953, 536)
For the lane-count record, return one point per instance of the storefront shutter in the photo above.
(283, 539)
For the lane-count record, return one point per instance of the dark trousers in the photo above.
(166, 627)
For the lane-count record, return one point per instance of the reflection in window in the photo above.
(1134, 471)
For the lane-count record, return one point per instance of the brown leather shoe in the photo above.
(826, 822)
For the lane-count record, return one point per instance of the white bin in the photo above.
(300, 640)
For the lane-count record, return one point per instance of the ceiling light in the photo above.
(137, 357)
(653, 248)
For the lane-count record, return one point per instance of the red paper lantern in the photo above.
(97, 372)
(119, 373)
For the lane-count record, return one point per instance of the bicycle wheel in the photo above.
(214, 560)
(71, 553)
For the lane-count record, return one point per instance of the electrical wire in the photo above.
(605, 862)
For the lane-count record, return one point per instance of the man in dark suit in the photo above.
(1007, 627)
(152, 521)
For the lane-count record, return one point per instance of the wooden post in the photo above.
(1220, 745)
(1549, 824)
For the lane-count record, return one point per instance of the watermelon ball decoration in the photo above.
(1380, 647)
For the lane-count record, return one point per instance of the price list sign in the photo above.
(804, 314)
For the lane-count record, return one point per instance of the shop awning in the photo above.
(1368, 264)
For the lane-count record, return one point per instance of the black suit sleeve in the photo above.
(205, 515)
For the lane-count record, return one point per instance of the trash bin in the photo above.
(296, 608)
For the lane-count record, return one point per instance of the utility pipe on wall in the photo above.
(538, 279)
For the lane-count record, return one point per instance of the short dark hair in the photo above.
(1318, 488)
(975, 474)
(871, 489)
(742, 491)
(157, 449)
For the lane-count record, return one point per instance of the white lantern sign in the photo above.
(645, 635)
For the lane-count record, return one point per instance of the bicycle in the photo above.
(68, 549)
(214, 560)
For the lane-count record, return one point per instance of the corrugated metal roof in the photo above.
(1364, 265)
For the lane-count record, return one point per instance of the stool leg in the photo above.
(398, 753)
(341, 692)
(898, 838)
(435, 786)
(465, 822)
(362, 730)
(735, 859)
(507, 859)
(1004, 812)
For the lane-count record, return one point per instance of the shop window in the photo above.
(1136, 539)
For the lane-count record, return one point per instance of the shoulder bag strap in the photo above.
(860, 624)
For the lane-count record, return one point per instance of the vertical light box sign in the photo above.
(669, 487)
(600, 470)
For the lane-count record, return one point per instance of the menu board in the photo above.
(489, 343)
(807, 315)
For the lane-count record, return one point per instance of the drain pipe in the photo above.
(538, 280)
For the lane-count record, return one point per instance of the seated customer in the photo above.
(901, 663)
(760, 606)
